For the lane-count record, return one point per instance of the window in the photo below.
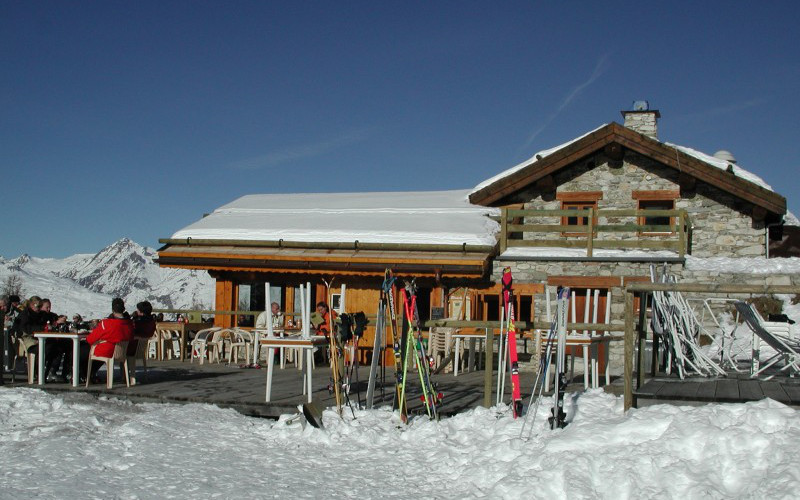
(656, 200)
(578, 201)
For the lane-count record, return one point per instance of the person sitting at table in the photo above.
(277, 317)
(28, 322)
(324, 328)
(55, 348)
(144, 325)
(105, 336)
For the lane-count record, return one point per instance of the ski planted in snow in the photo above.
(557, 417)
(508, 308)
(429, 395)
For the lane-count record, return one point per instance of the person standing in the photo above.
(109, 332)
(11, 313)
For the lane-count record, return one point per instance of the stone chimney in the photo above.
(642, 119)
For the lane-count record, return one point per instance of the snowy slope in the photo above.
(86, 283)
(73, 446)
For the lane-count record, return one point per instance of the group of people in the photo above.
(22, 320)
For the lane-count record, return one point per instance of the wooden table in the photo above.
(183, 329)
(306, 347)
(76, 339)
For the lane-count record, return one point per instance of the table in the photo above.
(183, 329)
(306, 346)
(278, 332)
(76, 339)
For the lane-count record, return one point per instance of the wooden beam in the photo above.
(541, 168)
(614, 151)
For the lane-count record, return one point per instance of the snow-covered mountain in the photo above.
(86, 283)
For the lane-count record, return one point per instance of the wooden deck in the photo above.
(735, 388)
(243, 389)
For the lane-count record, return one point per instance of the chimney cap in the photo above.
(655, 112)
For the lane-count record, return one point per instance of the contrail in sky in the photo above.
(599, 69)
(299, 152)
(725, 109)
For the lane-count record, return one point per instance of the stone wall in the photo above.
(722, 226)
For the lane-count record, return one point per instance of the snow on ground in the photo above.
(73, 446)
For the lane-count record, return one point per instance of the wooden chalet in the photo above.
(592, 214)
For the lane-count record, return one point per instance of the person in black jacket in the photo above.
(28, 322)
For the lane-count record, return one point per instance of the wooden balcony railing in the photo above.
(675, 236)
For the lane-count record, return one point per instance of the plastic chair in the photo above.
(200, 343)
(242, 339)
(30, 359)
(216, 345)
(440, 344)
(787, 352)
(167, 341)
(119, 356)
(142, 348)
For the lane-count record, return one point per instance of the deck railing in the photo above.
(675, 237)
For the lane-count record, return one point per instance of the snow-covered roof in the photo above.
(421, 217)
(722, 165)
(708, 159)
(536, 157)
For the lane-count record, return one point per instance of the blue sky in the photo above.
(135, 118)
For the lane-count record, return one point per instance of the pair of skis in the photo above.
(415, 347)
(555, 346)
(508, 337)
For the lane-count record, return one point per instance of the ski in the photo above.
(557, 417)
(544, 361)
(378, 348)
(398, 346)
(429, 395)
(508, 307)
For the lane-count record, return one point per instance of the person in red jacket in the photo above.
(108, 333)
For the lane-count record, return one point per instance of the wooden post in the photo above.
(628, 349)
(682, 233)
(642, 332)
(487, 369)
(503, 229)
(590, 236)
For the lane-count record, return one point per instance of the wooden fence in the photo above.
(675, 237)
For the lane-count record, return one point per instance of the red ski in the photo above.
(508, 306)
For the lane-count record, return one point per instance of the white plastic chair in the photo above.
(142, 348)
(167, 340)
(119, 356)
(200, 343)
(30, 359)
(786, 350)
(216, 345)
(242, 340)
